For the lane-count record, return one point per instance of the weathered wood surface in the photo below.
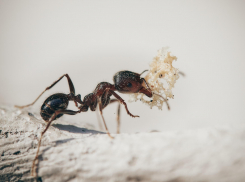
(71, 153)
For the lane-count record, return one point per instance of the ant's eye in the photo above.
(129, 84)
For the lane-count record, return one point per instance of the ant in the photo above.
(56, 105)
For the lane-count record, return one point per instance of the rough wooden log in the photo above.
(71, 153)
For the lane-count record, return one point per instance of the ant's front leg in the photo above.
(122, 102)
(70, 112)
(71, 87)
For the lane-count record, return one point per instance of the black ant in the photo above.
(56, 105)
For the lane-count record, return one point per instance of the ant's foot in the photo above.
(110, 135)
(133, 115)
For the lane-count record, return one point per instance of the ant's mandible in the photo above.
(56, 105)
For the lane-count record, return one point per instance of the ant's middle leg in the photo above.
(118, 113)
(69, 112)
(71, 87)
(100, 109)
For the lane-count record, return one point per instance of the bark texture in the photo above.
(71, 153)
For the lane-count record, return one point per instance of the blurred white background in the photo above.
(92, 40)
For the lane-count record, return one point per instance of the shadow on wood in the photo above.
(75, 129)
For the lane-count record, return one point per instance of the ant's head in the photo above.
(130, 82)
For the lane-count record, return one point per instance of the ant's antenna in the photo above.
(166, 100)
(182, 73)
(143, 72)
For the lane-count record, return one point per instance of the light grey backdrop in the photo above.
(92, 40)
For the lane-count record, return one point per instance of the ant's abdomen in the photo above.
(53, 103)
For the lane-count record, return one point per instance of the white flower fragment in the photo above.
(160, 78)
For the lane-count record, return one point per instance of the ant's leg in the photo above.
(70, 112)
(99, 120)
(118, 114)
(71, 86)
(122, 102)
(100, 108)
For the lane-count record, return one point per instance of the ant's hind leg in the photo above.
(118, 114)
(70, 112)
(71, 87)
(100, 109)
